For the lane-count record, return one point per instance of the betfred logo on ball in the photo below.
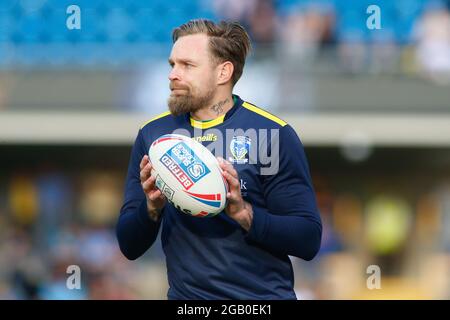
(185, 166)
(189, 175)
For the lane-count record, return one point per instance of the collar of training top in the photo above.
(214, 122)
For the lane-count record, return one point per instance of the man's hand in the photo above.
(155, 199)
(236, 208)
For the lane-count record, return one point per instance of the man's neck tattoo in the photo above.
(218, 107)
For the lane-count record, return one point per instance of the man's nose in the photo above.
(174, 75)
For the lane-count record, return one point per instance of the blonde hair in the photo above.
(228, 41)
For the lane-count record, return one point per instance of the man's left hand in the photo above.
(238, 209)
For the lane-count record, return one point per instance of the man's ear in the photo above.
(225, 72)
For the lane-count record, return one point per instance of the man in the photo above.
(271, 212)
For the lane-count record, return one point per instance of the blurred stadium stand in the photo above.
(371, 106)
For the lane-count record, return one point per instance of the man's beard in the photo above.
(180, 104)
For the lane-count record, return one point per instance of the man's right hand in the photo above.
(155, 199)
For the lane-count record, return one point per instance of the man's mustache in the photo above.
(178, 87)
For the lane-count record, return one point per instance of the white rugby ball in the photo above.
(188, 174)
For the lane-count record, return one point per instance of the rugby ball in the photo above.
(188, 174)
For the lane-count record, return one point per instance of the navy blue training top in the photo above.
(214, 257)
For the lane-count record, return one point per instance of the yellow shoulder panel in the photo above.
(156, 118)
(264, 113)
